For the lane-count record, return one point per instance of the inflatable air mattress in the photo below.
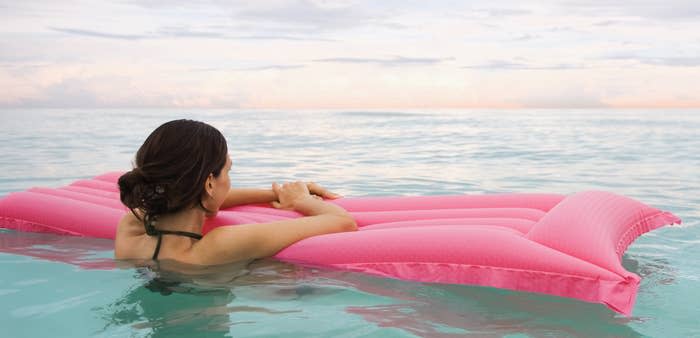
(569, 246)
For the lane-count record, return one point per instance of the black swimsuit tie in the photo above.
(168, 232)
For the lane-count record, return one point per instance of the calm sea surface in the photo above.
(652, 156)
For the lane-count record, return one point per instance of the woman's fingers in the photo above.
(287, 193)
(276, 190)
(331, 195)
(317, 189)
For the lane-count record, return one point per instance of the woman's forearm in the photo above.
(240, 196)
(310, 206)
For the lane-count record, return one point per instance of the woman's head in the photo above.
(177, 167)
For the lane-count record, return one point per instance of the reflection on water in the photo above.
(186, 299)
(140, 308)
(653, 270)
(170, 298)
(430, 310)
(83, 252)
(434, 310)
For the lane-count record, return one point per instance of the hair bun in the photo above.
(131, 189)
(130, 179)
(137, 192)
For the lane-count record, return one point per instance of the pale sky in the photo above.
(350, 54)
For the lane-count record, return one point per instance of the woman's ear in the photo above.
(209, 185)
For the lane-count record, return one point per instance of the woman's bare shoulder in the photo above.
(129, 237)
(130, 225)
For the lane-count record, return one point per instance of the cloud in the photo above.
(525, 37)
(186, 32)
(24, 65)
(562, 95)
(307, 15)
(672, 61)
(179, 33)
(274, 67)
(266, 67)
(395, 61)
(223, 32)
(652, 9)
(69, 93)
(606, 23)
(98, 92)
(279, 37)
(509, 65)
(96, 34)
(501, 12)
(563, 101)
(285, 17)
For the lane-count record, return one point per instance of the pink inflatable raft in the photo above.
(569, 246)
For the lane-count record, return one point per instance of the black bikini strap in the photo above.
(155, 253)
(169, 232)
(180, 233)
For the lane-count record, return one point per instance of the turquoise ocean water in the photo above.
(57, 285)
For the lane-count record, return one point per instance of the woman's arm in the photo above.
(241, 196)
(249, 241)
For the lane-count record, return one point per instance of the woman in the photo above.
(180, 176)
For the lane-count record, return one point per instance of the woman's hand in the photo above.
(296, 196)
(321, 192)
(289, 194)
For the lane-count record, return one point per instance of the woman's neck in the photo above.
(190, 220)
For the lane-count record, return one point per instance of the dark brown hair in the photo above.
(171, 168)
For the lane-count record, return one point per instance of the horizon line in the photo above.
(505, 107)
